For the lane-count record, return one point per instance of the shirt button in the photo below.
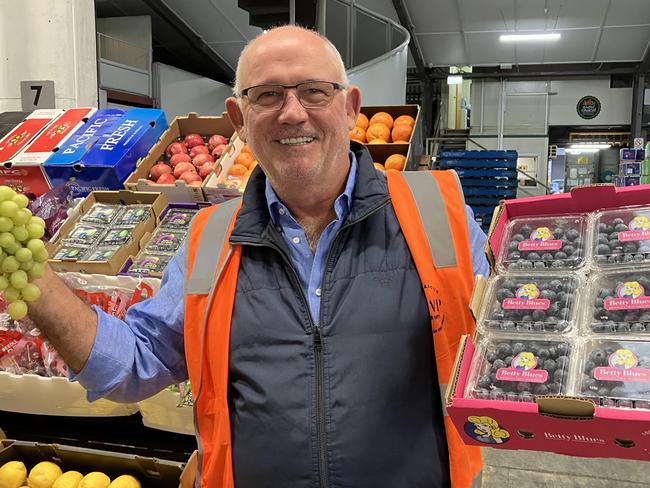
(317, 292)
(296, 240)
(281, 211)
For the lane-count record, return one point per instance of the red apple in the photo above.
(166, 179)
(175, 148)
(199, 159)
(189, 177)
(179, 158)
(215, 140)
(182, 168)
(199, 150)
(218, 150)
(205, 169)
(192, 140)
(159, 169)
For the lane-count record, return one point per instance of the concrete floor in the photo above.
(527, 469)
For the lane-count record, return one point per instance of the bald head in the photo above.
(253, 56)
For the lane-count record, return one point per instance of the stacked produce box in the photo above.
(630, 167)
(487, 178)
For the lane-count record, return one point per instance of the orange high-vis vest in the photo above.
(431, 212)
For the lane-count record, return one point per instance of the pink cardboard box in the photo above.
(565, 425)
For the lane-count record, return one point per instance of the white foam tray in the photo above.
(39, 395)
(161, 412)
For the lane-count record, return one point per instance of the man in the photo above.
(308, 334)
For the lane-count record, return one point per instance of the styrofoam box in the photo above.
(162, 412)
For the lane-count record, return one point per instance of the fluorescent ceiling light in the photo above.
(590, 146)
(548, 36)
(580, 151)
(454, 80)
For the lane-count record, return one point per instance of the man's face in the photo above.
(294, 143)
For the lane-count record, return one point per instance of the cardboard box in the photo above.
(9, 120)
(561, 424)
(115, 154)
(180, 127)
(380, 152)
(629, 168)
(117, 261)
(27, 166)
(162, 412)
(29, 180)
(70, 153)
(151, 472)
(217, 188)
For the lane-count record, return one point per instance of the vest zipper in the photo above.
(320, 409)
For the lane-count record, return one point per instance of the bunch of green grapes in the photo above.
(22, 255)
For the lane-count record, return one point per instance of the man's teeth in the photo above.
(297, 140)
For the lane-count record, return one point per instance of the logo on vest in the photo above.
(436, 313)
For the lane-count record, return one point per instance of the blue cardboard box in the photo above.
(114, 154)
(58, 165)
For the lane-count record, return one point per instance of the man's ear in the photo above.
(236, 117)
(353, 105)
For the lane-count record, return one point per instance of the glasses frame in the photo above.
(258, 108)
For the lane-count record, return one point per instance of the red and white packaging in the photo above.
(16, 140)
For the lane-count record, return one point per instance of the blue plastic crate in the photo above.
(488, 182)
(482, 200)
(486, 173)
(477, 163)
(484, 192)
(510, 155)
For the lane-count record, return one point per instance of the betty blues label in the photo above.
(622, 367)
(523, 369)
(540, 240)
(639, 230)
(629, 296)
(526, 299)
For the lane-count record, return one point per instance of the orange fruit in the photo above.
(401, 132)
(379, 166)
(358, 134)
(362, 121)
(378, 131)
(237, 169)
(405, 119)
(382, 118)
(377, 141)
(252, 166)
(245, 159)
(395, 161)
(400, 142)
(246, 149)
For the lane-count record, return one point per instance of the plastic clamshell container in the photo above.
(615, 373)
(622, 237)
(618, 303)
(538, 303)
(519, 367)
(549, 243)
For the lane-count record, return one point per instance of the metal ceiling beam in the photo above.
(638, 91)
(414, 43)
(550, 71)
(181, 27)
(644, 66)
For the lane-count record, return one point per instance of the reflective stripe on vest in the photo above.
(431, 213)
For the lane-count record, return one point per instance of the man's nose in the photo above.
(292, 112)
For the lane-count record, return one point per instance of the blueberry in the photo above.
(543, 353)
(620, 227)
(603, 391)
(491, 356)
(602, 227)
(518, 347)
(603, 249)
(538, 315)
(513, 246)
(550, 294)
(512, 397)
(554, 388)
(562, 362)
(550, 365)
(508, 360)
(605, 292)
(526, 230)
(498, 364)
(533, 256)
(629, 247)
(539, 265)
(589, 385)
(484, 382)
(547, 256)
(572, 234)
(618, 391)
(639, 258)
(563, 348)
(556, 285)
(637, 327)
(522, 386)
(504, 350)
(504, 293)
(508, 325)
(598, 357)
(497, 394)
(482, 394)
(540, 389)
(518, 238)
(557, 264)
(617, 221)
(561, 255)
(513, 256)
(558, 375)
(568, 250)
(558, 233)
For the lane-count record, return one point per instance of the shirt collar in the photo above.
(341, 205)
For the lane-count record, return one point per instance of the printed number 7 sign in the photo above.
(37, 94)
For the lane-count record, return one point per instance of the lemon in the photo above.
(12, 474)
(96, 479)
(43, 475)
(69, 479)
(125, 481)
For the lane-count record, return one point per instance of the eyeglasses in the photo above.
(311, 94)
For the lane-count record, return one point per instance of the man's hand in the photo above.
(68, 323)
